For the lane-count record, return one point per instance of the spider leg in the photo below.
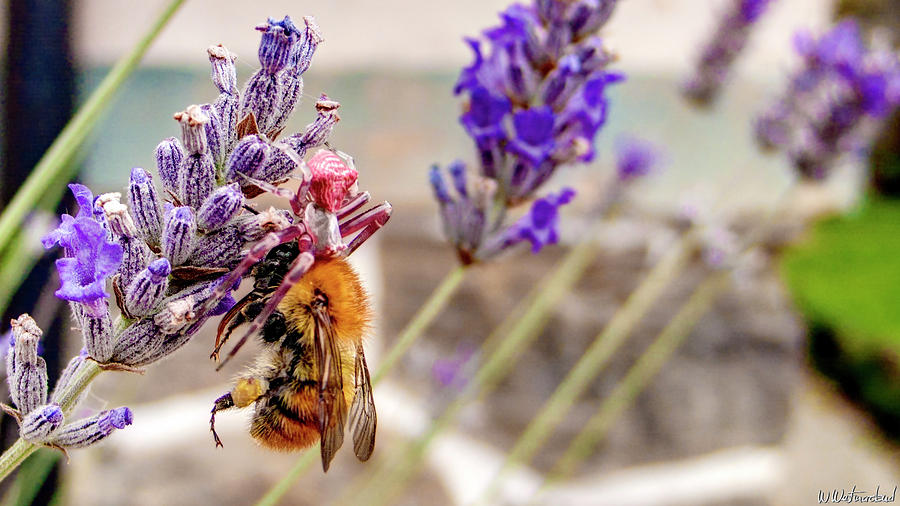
(298, 201)
(353, 205)
(256, 253)
(301, 265)
(367, 223)
(285, 193)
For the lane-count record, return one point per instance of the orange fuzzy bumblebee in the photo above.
(312, 366)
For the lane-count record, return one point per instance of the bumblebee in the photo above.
(312, 366)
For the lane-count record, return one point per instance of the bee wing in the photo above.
(362, 411)
(332, 407)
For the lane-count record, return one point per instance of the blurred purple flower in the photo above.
(449, 372)
(719, 53)
(540, 226)
(635, 157)
(536, 91)
(840, 87)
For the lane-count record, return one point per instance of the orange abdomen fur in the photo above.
(288, 420)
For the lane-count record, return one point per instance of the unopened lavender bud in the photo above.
(169, 157)
(193, 129)
(148, 288)
(176, 315)
(98, 336)
(41, 422)
(280, 163)
(120, 222)
(317, 132)
(298, 62)
(221, 248)
(261, 98)
(278, 37)
(302, 54)
(26, 371)
(66, 376)
(214, 137)
(439, 185)
(224, 204)
(135, 256)
(145, 206)
(223, 70)
(197, 179)
(253, 227)
(587, 16)
(248, 157)
(178, 235)
(88, 431)
(137, 342)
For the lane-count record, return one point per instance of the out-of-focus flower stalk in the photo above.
(601, 351)
(722, 49)
(640, 374)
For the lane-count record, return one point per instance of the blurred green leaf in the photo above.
(846, 275)
(32, 474)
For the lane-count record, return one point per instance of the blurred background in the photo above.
(790, 385)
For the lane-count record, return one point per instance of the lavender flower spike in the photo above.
(26, 372)
(40, 423)
(88, 431)
(148, 289)
(178, 236)
(722, 49)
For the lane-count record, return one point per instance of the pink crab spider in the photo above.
(327, 196)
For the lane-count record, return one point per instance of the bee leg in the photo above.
(235, 317)
(367, 223)
(301, 265)
(220, 404)
(257, 253)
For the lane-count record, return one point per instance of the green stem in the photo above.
(14, 456)
(55, 160)
(597, 356)
(640, 374)
(524, 324)
(426, 314)
(421, 320)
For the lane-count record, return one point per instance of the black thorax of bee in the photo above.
(268, 274)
